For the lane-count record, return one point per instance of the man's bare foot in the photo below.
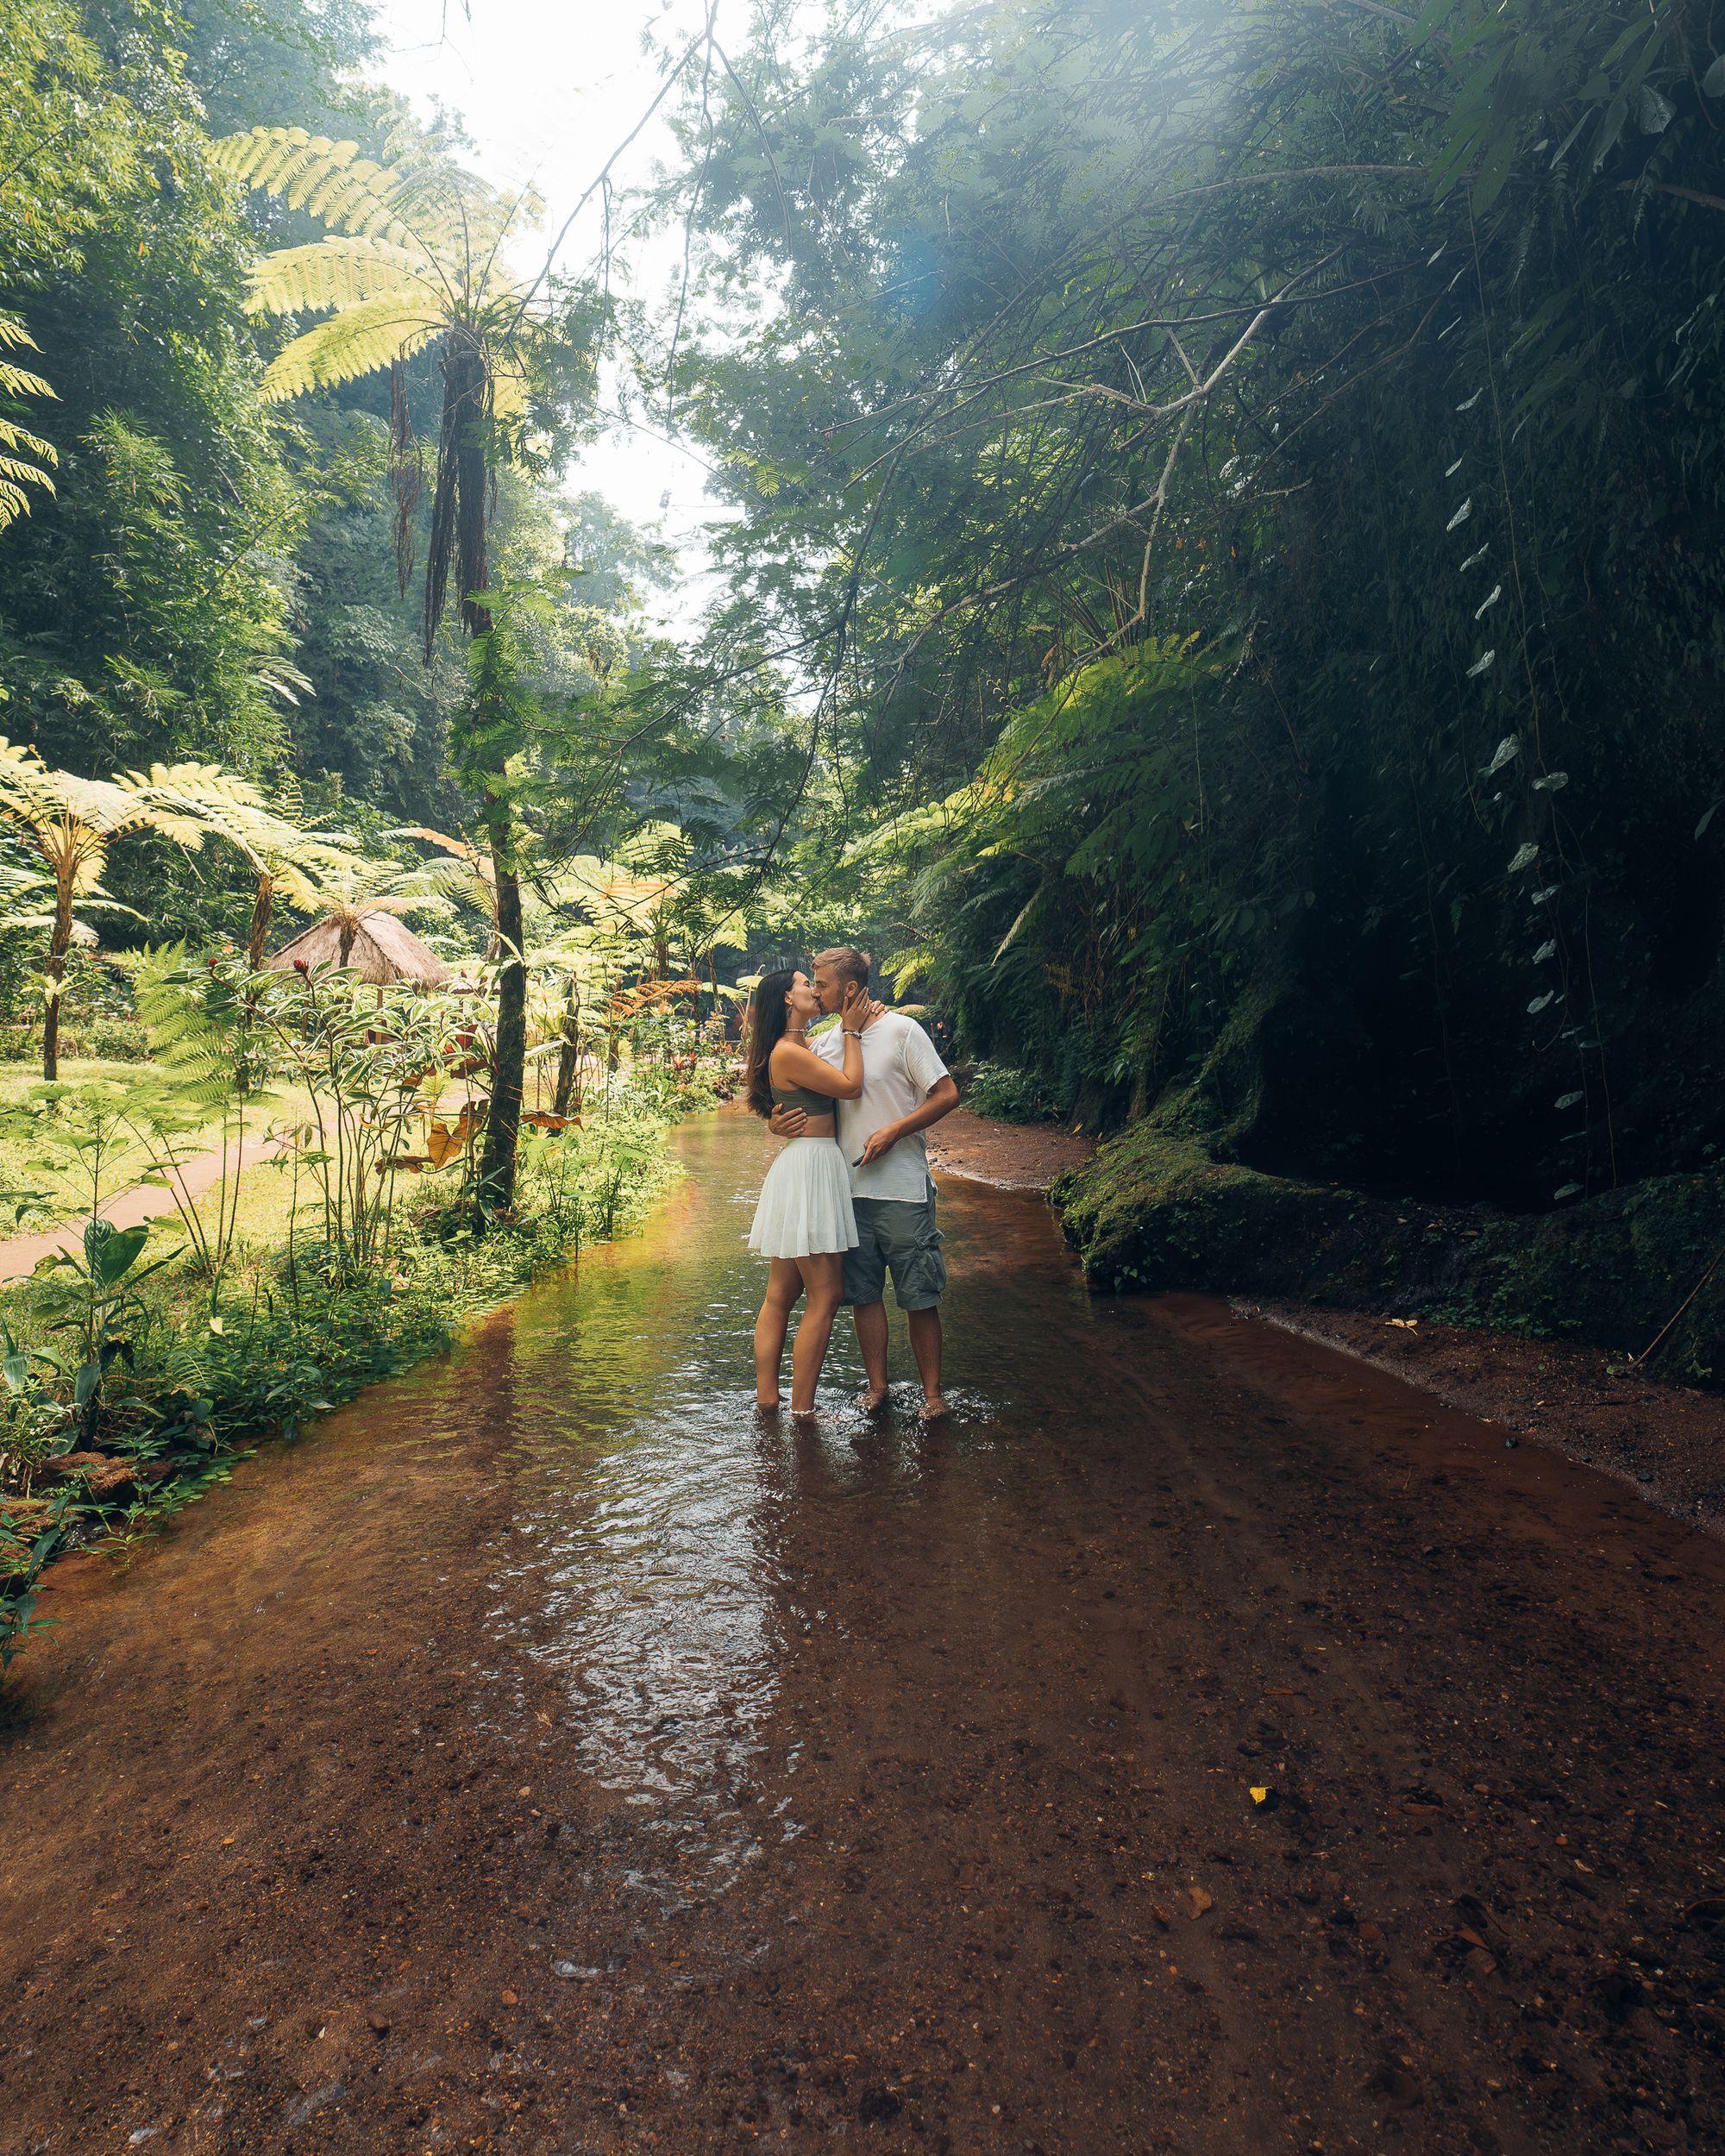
(933, 1406)
(873, 1399)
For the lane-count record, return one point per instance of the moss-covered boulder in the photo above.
(1154, 1209)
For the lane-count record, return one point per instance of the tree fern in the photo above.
(338, 272)
(416, 203)
(285, 860)
(386, 308)
(356, 342)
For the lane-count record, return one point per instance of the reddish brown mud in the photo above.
(1006, 1156)
(1590, 1403)
(546, 1755)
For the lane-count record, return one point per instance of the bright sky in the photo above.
(547, 89)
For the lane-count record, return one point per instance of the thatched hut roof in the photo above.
(384, 949)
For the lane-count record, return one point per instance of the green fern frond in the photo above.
(341, 271)
(345, 347)
(409, 204)
(13, 436)
(18, 381)
(21, 474)
(17, 477)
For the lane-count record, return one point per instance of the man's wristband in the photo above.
(851, 1033)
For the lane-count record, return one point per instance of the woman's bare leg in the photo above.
(822, 1282)
(784, 1285)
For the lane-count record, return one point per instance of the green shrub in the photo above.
(179, 1374)
(1011, 1095)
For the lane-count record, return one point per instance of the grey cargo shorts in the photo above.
(901, 1238)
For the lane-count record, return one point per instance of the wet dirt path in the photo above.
(543, 1756)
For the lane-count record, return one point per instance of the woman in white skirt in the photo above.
(803, 1223)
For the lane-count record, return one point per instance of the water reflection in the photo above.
(677, 1545)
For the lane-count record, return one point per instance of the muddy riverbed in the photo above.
(1201, 1743)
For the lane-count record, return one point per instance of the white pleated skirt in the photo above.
(805, 1205)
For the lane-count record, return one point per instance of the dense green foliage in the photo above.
(1258, 468)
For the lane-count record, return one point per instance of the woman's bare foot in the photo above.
(767, 1407)
(933, 1407)
(873, 1399)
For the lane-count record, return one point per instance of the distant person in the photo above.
(804, 1221)
(905, 1087)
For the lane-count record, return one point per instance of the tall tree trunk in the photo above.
(568, 1097)
(503, 1122)
(59, 944)
(262, 906)
(460, 511)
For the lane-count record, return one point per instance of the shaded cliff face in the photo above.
(1443, 1049)
(1157, 1209)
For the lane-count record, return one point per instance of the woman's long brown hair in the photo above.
(768, 1018)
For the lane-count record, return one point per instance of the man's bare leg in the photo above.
(925, 1345)
(871, 1341)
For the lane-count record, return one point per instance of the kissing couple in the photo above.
(850, 1199)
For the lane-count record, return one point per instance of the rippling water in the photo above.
(651, 1494)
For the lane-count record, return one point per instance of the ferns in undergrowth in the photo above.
(197, 1025)
(17, 444)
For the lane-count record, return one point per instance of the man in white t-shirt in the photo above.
(905, 1087)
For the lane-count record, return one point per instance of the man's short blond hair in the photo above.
(847, 962)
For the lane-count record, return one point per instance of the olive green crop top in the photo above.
(803, 1097)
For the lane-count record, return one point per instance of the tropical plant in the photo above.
(97, 1305)
(17, 444)
(415, 258)
(373, 1064)
(28, 1547)
(284, 859)
(203, 1035)
(71, 823)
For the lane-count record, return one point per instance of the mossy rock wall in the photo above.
(1155, 1209)
(1614, 1270)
